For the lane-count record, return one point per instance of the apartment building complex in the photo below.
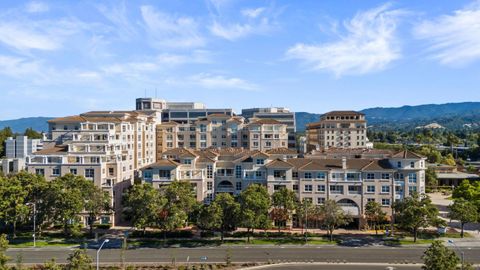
(282, 115)
(352, 182)
(16, 152)
(106, 147)
(220, 131)
(338, 129)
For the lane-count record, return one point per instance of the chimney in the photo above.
(344, 163)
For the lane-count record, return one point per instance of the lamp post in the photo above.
(458, 249)
(98, 252)
(34, 222)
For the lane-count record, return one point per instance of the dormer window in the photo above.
(260, 161)
(399, 164)
(187, 161)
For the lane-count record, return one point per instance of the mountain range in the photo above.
(449, 115)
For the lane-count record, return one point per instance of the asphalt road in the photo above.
(246, 254)
(338, 267)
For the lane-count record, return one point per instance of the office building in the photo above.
(16, 152)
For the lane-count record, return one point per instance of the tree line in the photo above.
(57, 203)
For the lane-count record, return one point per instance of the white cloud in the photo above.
(255, 23)
(18, 67)
(36, 7)
(368, 45)
(253, 12)
(210, 81)
(118, 16)
(22, 37)
(455, 38)
(171, 31)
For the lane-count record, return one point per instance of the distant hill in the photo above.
(19, 125)
(449, 115)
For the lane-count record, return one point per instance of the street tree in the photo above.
(374, 214)
(283, 202)
(13, 208)
(97, 202)
(51, 265)
(306, 211)
(79, 260)
(416, 212)
(439, 257)
(229, 212)
(333, 216)
(254, 205)
(3, 248)
(141, 203)
(210, 217)
(463, 211)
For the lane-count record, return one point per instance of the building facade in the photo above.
(16, 152)
(338, 129)
(104, 147)
(280, 114)
(350, 182)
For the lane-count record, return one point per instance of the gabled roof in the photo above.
(163, 163)
(180, 152)
(280, 164)
(377, 165)
(407, 155)
(259, 154)
(281, 151)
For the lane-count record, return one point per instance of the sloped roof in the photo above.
(163, 163)
(280, 151)
(407, 155)
(280, 164)
(57, 149)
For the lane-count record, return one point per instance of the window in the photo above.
(294, 174)
(371, 189)
(412, 164)
(73, 171)
(238, 185)
(412, 178)
(321, 175)
(295, 187)
(350, 176)
(308, 188)
(238, 171)
(399, 164)
(258, 174)
(385, 189)
(56, 171)
(385, 202)
(320, 200)
(209, 171)
(336, 189)
(370, 176)
(268, 144)
(209, 197)
(209, 185)
(354, 189)
(187, 161)
(370, 200)
(260, 161)
(321, 188)
(307, 175)
(385, 176)
(110, 171)
(89, 173)
(148, 175)
(40, 171)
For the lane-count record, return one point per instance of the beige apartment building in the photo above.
(338, 129)
(106, 147)
(352, 182)
(221, 131)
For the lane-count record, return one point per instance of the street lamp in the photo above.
(34, 222)
(458, 249)
(98, 251)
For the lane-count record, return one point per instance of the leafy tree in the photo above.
(431, 179)
(439, 257)
(333, 216)
(141, 204)
(374, 214)
(36, 187)
(229, 212)
(210, 217)
(283, 202)
(32, 134)
(12, 206)
(254, 205)
(4, 134)
(416, 212)
(3, 247)
(449, 160)
(306, 211)
(79, 260)
(463, 211)
(51, 265)
(97, 202)
(467, 191)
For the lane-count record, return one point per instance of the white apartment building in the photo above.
(16, 152)
(351, 182)
(106, 147)
(338, 129)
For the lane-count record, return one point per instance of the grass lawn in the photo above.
(22, 243)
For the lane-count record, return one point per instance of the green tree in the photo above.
(79, 260)
(439, 257)
(283, 202)
(36, 187)
(97, 203)
(13, 208)
(229, 212)
(431, 179)
(3, 247)
(306, 211)
(374, 214)
(333, 216)
(416, 212)
(32, 134)
(467, 191)
(463, 211)
(210, 217)
(141, 205)
(449, 160)
(254, 205)
(4, 134)
(51, 265)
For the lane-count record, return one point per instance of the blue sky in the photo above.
(66, 57)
